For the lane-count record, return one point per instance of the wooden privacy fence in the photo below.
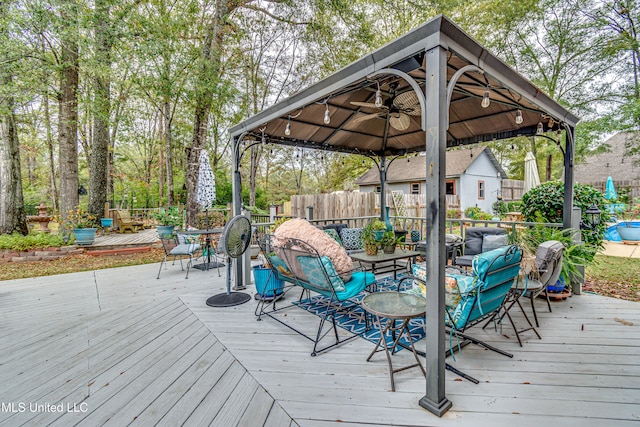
(342, 205)
(632, 186)
(512, 189)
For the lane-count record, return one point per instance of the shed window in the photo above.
(480, 190)
(450, 188)
(415, 188)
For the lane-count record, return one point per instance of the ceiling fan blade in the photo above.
(364, 117)
(406, 100)
(364, 104)
(413, 111)
(399, 121)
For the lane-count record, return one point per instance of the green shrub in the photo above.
(546, 202)
(500, 208)
(475, 212)
(19, 242)
(454, 213)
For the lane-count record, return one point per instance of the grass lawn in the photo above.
(615, 277)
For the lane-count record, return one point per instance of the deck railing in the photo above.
(452, 225)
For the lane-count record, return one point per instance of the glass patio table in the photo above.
(394, 306)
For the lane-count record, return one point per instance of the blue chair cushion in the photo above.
(359, 281)
(314, 270)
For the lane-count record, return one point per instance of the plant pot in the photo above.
(629, 231)
(389, 249)
(558, 286)
(165, 231)
(415, 235)
(402, 234)
(378, 234)
(371, 249)
(85, 236)
(106, 222)
(267, 285)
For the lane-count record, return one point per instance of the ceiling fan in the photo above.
(399, 107)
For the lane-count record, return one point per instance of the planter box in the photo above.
(266, 283)
(85, 236)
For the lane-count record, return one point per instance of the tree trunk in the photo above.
(53, 186)
(12, 214)
(168, 151)
(208, 78)
(68, 117)
(98, 183)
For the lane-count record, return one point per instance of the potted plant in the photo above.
(369, 240)
(389, 242)
(378, 227)
(167, 219)
(84, 226)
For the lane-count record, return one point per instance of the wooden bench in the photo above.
(125, 222)
(303, 268)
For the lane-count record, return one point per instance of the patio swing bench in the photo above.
(300, 265)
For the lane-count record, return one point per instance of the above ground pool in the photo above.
(612, 234)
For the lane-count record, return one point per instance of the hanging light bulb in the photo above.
(519, 118)
(559, 133)
(486, 101)
(551, 122)
(540, 128)
(327, 116)
(378, 101)
(287, 130)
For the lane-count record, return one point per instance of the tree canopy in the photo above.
(121, 97)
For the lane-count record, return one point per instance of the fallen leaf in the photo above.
(624, 322)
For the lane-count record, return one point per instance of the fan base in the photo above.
(208, 265)
(228, 299)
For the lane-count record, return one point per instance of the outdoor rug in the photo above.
(351, 317)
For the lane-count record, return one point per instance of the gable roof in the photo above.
(616, 162)
(415, 168)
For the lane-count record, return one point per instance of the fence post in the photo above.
(576, 280)
(272, 213)
(309, 213)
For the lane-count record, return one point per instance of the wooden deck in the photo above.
(119, 347)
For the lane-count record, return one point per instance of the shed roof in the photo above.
(415, 168)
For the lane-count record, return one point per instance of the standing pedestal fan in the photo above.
(234, 241)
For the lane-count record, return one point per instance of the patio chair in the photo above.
(478, 240)
(304, 267)
(547, 272)
(480, 294)
(172, 248)
(125, 222)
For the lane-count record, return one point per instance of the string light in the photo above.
(378, 102)
(540, 128)
(486, 101)
(287, 129)
(519, 118)
(551, 122)
(327, 116)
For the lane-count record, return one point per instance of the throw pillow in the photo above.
(351, 238)
(301, 229)
(333, 233)
(491, 242)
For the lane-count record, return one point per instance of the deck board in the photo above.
(150, 352)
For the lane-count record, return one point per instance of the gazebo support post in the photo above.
(435, 400)
(383, 187)
(568, 180)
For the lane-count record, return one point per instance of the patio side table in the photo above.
(394, 306)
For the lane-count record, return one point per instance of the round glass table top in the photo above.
(394, 304)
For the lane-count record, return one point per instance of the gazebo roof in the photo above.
(349, 131)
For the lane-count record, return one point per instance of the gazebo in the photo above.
(431, 89)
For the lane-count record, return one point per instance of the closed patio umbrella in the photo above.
(206, 187)
(531, 177)
(205, 195)
(610, 191)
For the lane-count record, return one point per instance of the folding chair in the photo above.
(172, 248)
